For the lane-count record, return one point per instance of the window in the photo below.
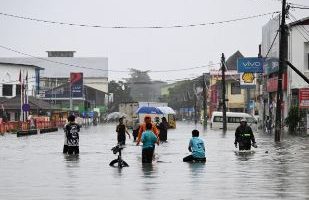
(233, 119)
(18, 90)
(218, 119)
(235, 88)
(7, 90)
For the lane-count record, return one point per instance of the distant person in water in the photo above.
(71, 141)
(149, 139)
(244, 136)
(142, 128)
(197, 147)
(121, 130)
(163, 126)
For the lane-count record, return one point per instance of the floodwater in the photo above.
(34, 168)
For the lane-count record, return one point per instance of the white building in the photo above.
(298, 55)
(9, 78)
(59, 64)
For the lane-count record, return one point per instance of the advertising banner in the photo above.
(303, 97)
(272, 83)
(247, 80)
(250, 64)
(76, 80)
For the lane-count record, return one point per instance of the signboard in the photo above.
(272, 83)
(76, 80)
(247, 80)
(214, 94)
(250, 64)
(303, 97)
(271, 65)
(26, 107)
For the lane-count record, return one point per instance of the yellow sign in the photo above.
(248, 77)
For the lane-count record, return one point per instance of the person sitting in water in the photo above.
(197, 147)
(71, 136)
(149, 139)
(121, 130)
(244, 136)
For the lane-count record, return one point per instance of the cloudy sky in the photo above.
(145, 49)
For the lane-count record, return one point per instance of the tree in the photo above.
(121, 94)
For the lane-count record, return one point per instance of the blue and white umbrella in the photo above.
(148, 110)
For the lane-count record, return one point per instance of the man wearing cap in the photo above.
(244, 136)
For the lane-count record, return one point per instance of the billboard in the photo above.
(303, 97)
(247, 80)
(76, 81)
(250, 64)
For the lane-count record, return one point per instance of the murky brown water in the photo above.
(35, 168)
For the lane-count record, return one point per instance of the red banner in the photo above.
(272, 83)
(303, 97)
(214, 95)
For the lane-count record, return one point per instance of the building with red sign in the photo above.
(294, 87)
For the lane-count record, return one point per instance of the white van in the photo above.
(232, 120)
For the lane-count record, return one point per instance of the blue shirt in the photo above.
(148, 139)
(197, 146)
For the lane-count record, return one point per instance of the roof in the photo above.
(14, 104)
(26, 65)
(304, 21)
(231, 62)
(62, 66)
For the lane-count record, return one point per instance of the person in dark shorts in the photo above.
(244, 136)
(121, 130)
(72, 136)
(149, 139)
(163, 126)
(197, 147)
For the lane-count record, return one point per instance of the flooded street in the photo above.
(35, 168)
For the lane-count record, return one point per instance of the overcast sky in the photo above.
(145, 49)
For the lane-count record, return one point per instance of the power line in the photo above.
(300, 32)
(272, 44)
(302, 26)
(105, 70)
(135, 27)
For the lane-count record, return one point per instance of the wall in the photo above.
(298, 56)
(9, 74)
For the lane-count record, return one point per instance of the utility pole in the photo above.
(204, 101)
(283, 56)
(223, 92)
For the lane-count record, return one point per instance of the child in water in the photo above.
(197, 147)
(148, 139)
(71, 140)
(121, 132)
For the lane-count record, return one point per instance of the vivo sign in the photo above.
(254, 65)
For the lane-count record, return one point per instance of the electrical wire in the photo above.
(301, 26)
(135, 27)
(105, 70)
(272, 44)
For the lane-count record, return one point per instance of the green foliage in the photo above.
(121, 93)
(182, 95)
(293, 119)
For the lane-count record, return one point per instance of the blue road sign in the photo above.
(251, 64)
(26, 107)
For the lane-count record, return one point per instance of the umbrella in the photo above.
(115, 115)
(149, 110)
